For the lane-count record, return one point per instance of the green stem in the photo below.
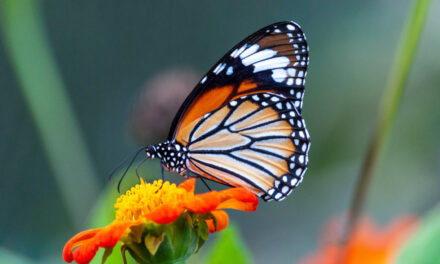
(49, 105)
(390, 105)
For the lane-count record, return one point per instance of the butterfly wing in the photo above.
(273, 59)
(257, 141)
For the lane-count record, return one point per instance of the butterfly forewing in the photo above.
(258, 141)
(273, 59)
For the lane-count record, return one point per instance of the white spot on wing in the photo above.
(259, 56)
(203, 80)
(219, 68)
(249, 51)
(237, 52)
(278, 62)
(230, 70)
(279, 75)
(293, 181)
(291, 72)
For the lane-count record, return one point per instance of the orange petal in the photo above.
(110, 235)
(77, 240)
(165, 214)
(188, 185)
(89, 241)
(203, 203)
(85, 253)
(238, 198)
(222, 219)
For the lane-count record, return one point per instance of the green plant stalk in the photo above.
(389, 106)
(49, 105)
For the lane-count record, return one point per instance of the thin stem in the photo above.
(390, 105)
(49, 104)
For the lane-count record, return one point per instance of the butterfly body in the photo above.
(242, 124)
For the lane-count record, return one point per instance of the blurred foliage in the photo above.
(229, 248)
(7, 256)
(49, 104)
(391, 101)
(423, 246)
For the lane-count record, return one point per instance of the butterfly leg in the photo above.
(138, 166)
(205, 183)
(162, 171)
(162, 175)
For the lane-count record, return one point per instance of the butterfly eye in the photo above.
(151, 149)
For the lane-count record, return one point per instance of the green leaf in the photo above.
(424, 244)
(229, 248)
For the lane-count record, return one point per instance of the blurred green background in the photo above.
(104, 53)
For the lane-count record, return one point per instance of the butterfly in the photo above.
(242, 123)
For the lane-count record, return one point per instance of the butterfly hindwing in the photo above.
(273, 59)
(258, 141)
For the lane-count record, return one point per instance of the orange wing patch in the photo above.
(222, 140)
(203, 104)
(259, 177)
(283, 146)
(241, 111)
(275, 165)
(231, 152)
(211, 123)
(209, 101)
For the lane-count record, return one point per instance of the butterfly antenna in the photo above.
(123, 162)
(135, 154)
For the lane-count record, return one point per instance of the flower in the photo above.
(368, 243)
(160, 222)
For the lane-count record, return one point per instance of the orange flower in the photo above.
(368, 244)
(146, 213)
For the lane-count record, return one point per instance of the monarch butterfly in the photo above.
(242, 123)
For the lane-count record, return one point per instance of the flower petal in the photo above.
(111, 234)
(222, 220)
(78, 240)
(188, 185)
(89, 241)
(85, 253)
(238, 198)
(203, 203)
(165, 214)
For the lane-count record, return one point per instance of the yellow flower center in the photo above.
(146, 197)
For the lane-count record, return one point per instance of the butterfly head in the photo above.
(172, 154)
